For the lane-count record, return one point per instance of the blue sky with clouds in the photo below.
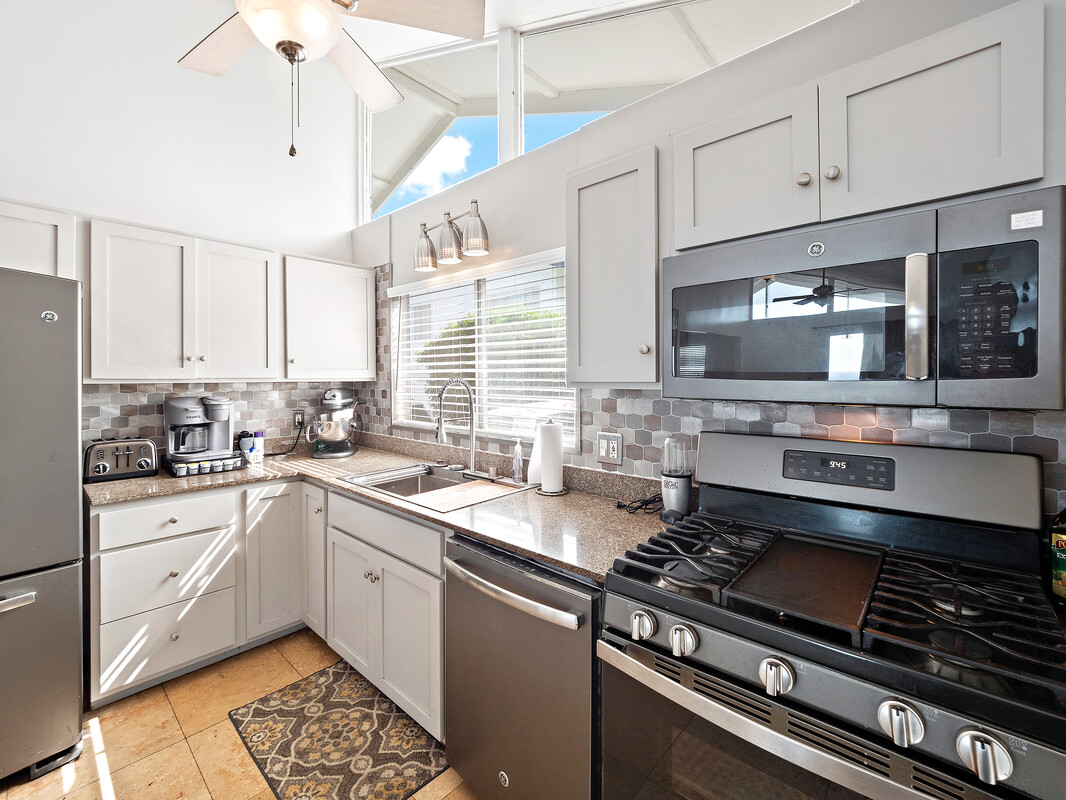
(470, 147)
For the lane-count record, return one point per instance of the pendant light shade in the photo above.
(449, 244)
(425, 255)
(475, 236)
(311, 24)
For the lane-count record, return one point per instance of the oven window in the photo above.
(836, 324)
(655, 750)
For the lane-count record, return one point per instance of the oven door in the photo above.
(834, 314)
(674, 734)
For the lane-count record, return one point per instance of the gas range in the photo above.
(900, 644)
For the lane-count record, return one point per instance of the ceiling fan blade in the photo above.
(221, 49)
(363, 75)
(463, 18)
(805, 297)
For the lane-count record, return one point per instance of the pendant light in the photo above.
(475, 236)
(425, 255)
(449, 242)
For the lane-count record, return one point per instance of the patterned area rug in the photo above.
(334, 736)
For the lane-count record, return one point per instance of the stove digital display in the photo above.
(843, 469)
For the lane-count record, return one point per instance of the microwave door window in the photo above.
(837, 324)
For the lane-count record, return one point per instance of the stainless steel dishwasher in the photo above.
(520, 677)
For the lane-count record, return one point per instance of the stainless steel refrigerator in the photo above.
(40, 521)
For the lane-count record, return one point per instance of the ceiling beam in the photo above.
(443, 102)
(685, 24)
(413, 159)
(535, 81)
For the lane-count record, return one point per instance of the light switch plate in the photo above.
(609, 448)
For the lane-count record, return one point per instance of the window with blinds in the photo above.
(505, 335)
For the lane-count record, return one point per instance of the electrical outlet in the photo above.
(297, 417)
(609, 448)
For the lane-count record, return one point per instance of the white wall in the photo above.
(98, 118)
(523, 201)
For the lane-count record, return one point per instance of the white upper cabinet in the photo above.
(329, 321)
(142, 299)
(752, 171)
(611, 271)
(957, 112)
(171, 307)
(37, 240)
(238, 312)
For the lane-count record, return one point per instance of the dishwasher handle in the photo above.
(564, 619)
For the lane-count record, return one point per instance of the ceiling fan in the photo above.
(303, 30)
(820, 294)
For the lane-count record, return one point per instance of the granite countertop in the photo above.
(578, 532)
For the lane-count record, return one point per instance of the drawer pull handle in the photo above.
(173, 520)
(174, 637)
(173, 573)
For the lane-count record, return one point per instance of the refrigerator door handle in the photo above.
(18, 601)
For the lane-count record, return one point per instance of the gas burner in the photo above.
(680, 574)
(954, 599)
(958, 642)
(960, 673)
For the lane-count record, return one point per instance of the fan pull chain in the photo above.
(297, 94)
(292, 108)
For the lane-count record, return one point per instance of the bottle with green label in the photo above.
(1058, 558)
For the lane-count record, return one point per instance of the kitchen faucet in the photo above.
(441, 438)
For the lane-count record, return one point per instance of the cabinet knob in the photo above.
(318, 510)
(203, 358)
(173, 520)
(173, 573)
(174, 637)
(373, 578)
(644, 349)
(803, 179)
(292, 360)
(188, 358)
(366, 574)
(832, 173)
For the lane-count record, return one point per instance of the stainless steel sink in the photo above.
(410, 482)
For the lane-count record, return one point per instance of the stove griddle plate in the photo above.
(824, 585)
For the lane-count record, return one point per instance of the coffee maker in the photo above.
(198, 428)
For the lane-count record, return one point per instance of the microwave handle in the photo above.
(916, 309)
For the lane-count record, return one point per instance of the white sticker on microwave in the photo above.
(1027, 219)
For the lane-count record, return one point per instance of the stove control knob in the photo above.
(985, 755)
(642, 625)
(777, 676)
(683, 641)
(901, 721)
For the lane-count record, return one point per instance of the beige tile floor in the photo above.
(175, 741)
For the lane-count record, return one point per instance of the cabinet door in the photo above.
(238, 312)
(411, 621)
(143, 295)
(350, 597)
(750, 172)
(611, 269)
(273, 559)
(37, 240)
(314, 555)
(329, 321)
(956, 112)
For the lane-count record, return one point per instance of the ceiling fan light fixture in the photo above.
(311, 25)
(425, 255)
(450, 242)
(475, 235)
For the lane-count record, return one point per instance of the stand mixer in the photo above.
(332, 433)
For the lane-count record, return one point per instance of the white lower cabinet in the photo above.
(313, 507)
(385, 615)
(273, 559)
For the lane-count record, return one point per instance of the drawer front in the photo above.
(160, 520)
(140, 647)
(148, 576)
(417, 544)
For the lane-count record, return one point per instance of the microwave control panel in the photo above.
(841, 468)
(988, 312)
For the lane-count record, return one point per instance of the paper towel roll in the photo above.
(533, 472)
(551, 456)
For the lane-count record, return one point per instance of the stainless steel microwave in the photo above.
(956, 306)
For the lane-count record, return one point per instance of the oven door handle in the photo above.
(916, 313)
(791, 750)
(564, 619)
